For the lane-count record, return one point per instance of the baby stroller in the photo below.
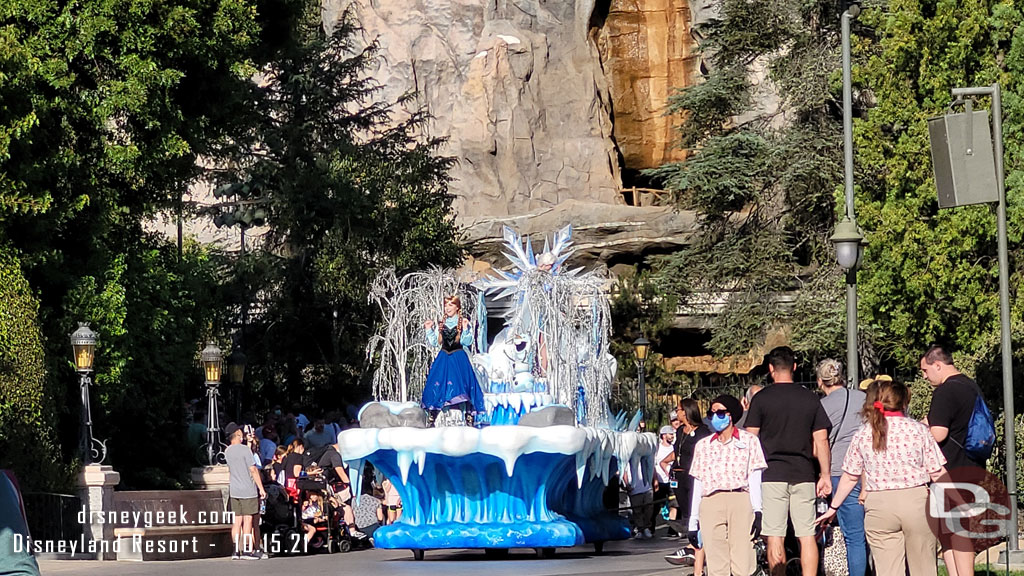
(792, 547)
(280, 522)
(331, 532)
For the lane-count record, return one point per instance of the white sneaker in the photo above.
(236, 556)
(647, 534)
(681, 557)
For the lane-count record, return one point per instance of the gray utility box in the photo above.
(965, 170)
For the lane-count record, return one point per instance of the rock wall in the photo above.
(647, 51)
(516, 86)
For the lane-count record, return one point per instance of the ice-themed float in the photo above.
(531, 469)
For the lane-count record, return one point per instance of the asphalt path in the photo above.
(627, 558)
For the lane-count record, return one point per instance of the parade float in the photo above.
(531, 470)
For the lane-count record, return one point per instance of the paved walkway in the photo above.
(629, 558)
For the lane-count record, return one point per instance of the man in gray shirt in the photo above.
(843, 406)
(244, 491)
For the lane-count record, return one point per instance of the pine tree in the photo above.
(764, 167)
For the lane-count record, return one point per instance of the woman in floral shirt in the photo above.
(897, 458)
(726, 499)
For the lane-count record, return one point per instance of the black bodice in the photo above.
(450, 338)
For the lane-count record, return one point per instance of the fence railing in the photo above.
(53, 517)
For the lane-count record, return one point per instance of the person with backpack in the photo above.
(896, 458)
(961, 423)
(843, 406)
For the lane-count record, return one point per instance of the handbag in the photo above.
(835, 555)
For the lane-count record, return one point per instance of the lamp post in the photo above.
(849, 244)
(848, 240)
(83, 343)
(212, 360)
(236, 374)
(641, 348)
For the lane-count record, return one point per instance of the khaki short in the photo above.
(783, 501)
(244, 506)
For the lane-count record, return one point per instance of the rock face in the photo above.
(647, 51)
(516, 86)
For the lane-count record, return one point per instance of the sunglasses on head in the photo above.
(719, 413)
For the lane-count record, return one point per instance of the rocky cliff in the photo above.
(517, 87)
(546, 103)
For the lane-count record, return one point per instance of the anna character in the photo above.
(452, 386)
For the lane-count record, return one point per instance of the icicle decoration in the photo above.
(564, 313)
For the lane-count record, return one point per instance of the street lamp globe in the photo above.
(83, 342)
(849, 244)
(236, 367)
(641, 348)
(212, 358)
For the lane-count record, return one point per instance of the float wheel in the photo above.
(546, 552)
(417, 554)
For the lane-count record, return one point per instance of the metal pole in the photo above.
(852, 363)
(86, 443)
(847, 117)
(1004, 302)
(643, 393)
(1004, 317)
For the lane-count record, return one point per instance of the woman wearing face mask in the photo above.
(726, 501)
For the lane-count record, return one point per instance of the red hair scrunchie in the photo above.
(878, 406)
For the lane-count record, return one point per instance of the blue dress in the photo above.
(451, 380)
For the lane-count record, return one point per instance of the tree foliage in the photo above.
(27, 436)
(112, 109)
(349, 189)
(931, 275)
(762, 177)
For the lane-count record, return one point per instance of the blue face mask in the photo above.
(719, 423)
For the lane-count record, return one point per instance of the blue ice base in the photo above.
(554, 534)
(471, 501)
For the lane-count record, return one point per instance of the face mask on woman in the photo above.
(719, 423)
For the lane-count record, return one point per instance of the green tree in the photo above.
(27, 437)
(107, 105)
(931, 275)
(348, 189)
(761, 179)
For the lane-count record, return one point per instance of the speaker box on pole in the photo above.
(962, 159)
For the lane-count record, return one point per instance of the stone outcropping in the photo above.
(601, 233)
(516, 86)
(647, 52)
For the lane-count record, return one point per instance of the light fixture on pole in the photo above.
(212, 360)
(848, 239)
(236, 374)
(641, 348)
(83, 344)
(849, 244)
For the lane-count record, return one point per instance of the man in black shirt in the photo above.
(948, 418)
(793, 428)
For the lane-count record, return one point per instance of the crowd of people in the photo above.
(284, 451)
(784, 461)
(776, 465)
